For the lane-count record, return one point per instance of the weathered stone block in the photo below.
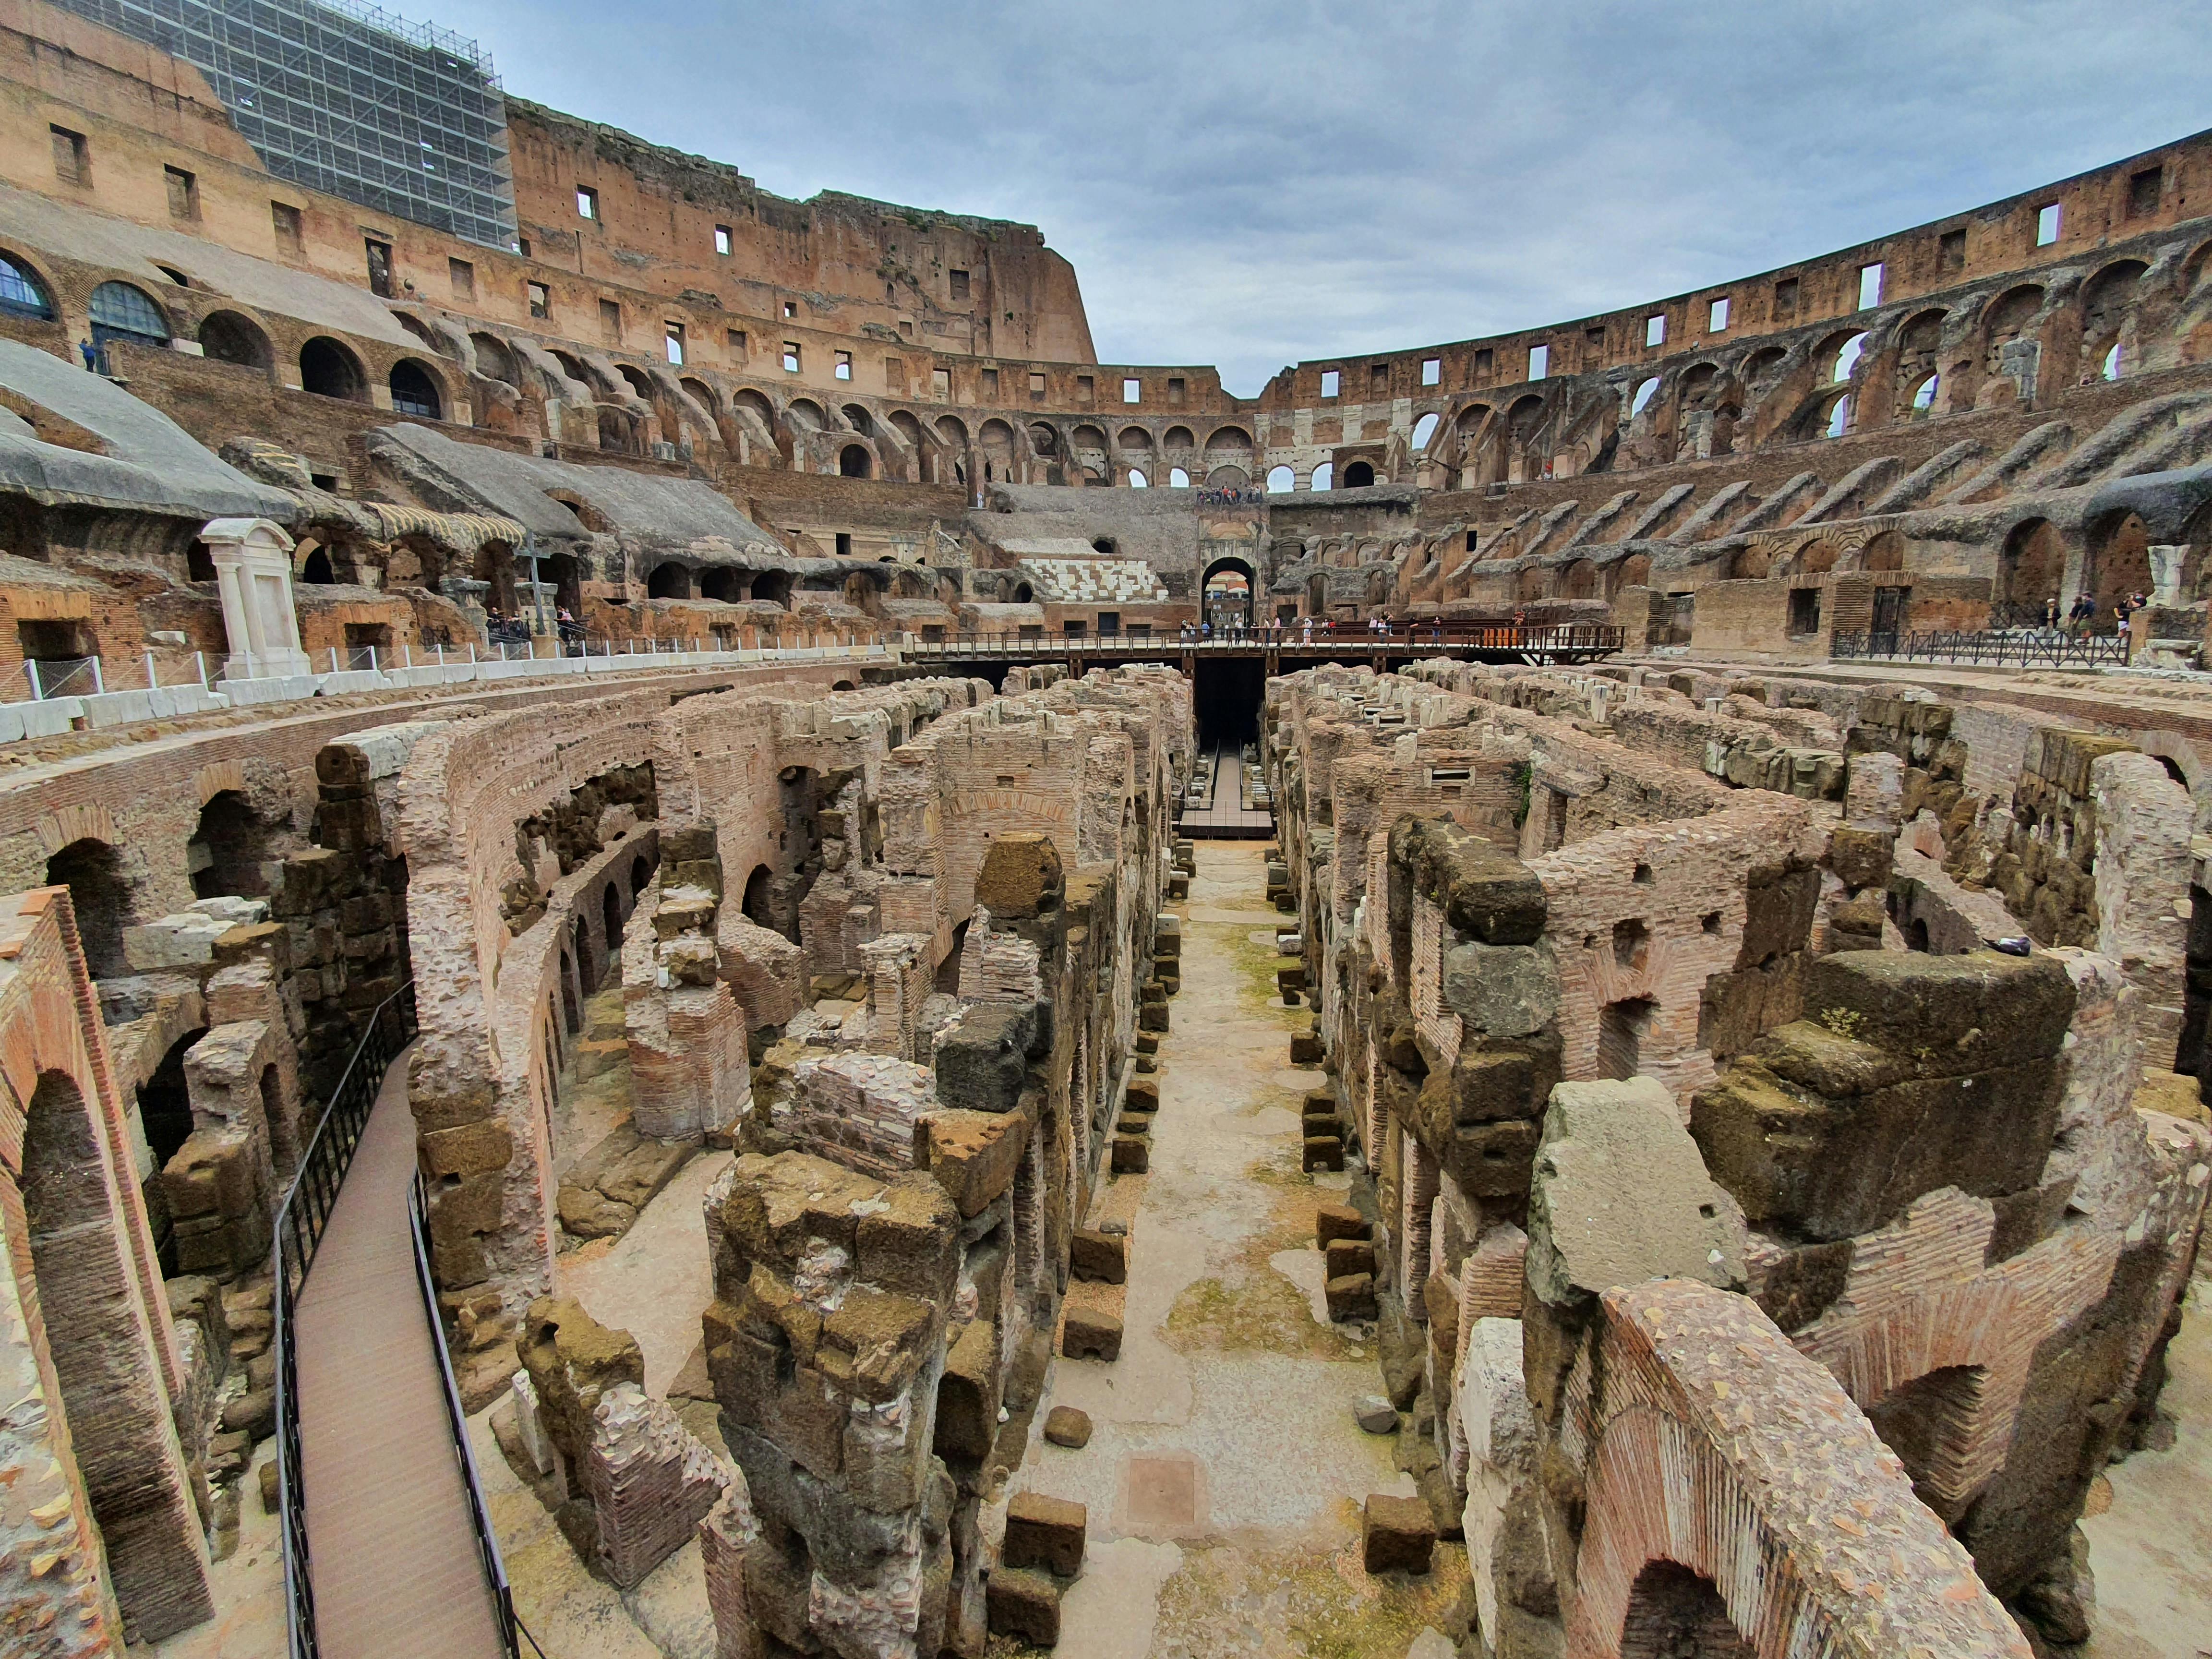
(1021, 877)
(1350, 1297)
(1502, 990)
(1100, 1256)
(973, 1155)
(982, 1062)
(1323, 1153)
(1483, 889)
(1131, 1155)
(1085, 1334)
(1024, 1606)
(1397, 1535)
(1044, 1531)
(1335, 1221)
(1347, 1256)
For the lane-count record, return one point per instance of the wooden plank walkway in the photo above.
(1225, 816)
(395, 1559)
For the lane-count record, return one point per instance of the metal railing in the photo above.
(1580, 638)
(62, 677)
(300, 1220)
(2025, 647)
(512, 1631)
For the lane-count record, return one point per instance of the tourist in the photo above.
(2051, 614)
(90, 353)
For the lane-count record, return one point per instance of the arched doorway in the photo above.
(1358, 475)
(229, 852)
(1227, 588)
(329, 370)
(2029, 572)
(852, 461)
(101, 896)
(227, 338)
(414, 391)
(610, 925)
(1676, 1614)
(669, 581)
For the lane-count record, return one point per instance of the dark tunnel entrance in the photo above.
(1227, 697)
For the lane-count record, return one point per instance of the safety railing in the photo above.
(62, 677)
(2027, 647)
(1585, 639)
(300, 1219)
(512, 1631)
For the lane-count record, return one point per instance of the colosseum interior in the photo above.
(632, 771)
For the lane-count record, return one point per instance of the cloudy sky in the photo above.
(1251, 185)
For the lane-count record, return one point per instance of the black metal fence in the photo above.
(513, 1632)
(1401, 639)
(2027, 647)
(300, 1219)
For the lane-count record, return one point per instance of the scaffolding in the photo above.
(403, 118)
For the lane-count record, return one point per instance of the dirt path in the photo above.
(1224, 1472)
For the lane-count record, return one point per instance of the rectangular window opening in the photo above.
(1716, 319)
(990, 385)
(1133, 391)
(791, 356)
(587, 202)
(844, 543)
(284, 220)
(1654, 331)
(1869, 286)
(1951, 250)
(1432, 371)
(958, 281)
(674, 339)
(1332, 383)
(2143, 192)
(2046, 225)
(1785, 297)
(184, 193)
(462, 275)
(379, 267)
(1175, 388)
(541, 300)
(722, 238)
(940, 383)
(1540, 361)
(843, 370)
(1804, 610)
(1036, 384)
(740, 345)
(1378, 378)
(1086, 389)
(72, 156)
(1486, 362)
(611, 319)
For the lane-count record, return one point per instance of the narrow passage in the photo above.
(1224, 1472)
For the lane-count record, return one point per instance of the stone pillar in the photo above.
(254, 567)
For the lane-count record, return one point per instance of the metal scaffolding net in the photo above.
(404, 119)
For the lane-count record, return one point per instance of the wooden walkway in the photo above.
(1225, 816)
(395, 1559)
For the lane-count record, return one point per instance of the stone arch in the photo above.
(416, 390)
(2006, 320)
(101, 895)
(1751, 564)
(1229, 565)
(1885, 552)
(1360, 475)
(24, 290)
(122, 312)
(702, 394)
(2031, 565)
(855, 461)
(669, 579)
(639, 382)
(230, 850)
(231, 336)
(329, 369)
(495, 359)
(2119, 559)
(1179, 439)
(1675, 1612)
(1634, 571)
(1579, 581)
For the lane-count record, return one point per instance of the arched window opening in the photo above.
(1324, 477)
(413, 391)
(21, 294)
(612, 923)
(93, 872)
(1138, 480)
(317, 568)
(1426, 428)
(1358, 475)
(1177, 478)
(1676, 1614)
(852, 461)
(1645, 394)
(228, 338)
(1923, 395)
(1281, 481)
(165, 1103)
(1847, 359)
(229, 853)
(2111, 368)
(329, 370)
(1840, 418)
(120, 312)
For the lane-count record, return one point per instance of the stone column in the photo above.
(253, 566)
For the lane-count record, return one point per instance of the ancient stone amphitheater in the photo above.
(715, 952)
